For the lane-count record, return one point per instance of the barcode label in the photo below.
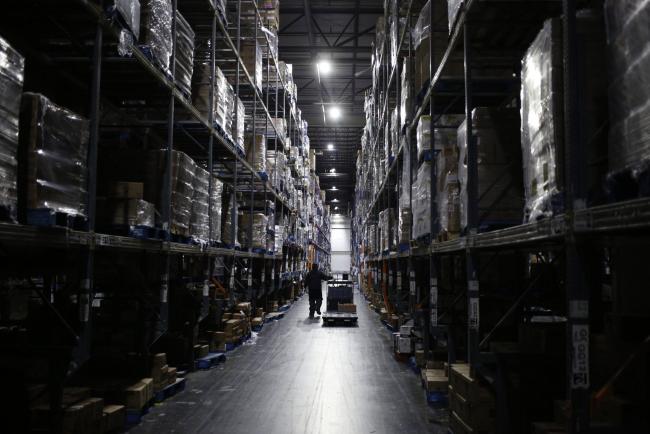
(473, 313)
(580, 363)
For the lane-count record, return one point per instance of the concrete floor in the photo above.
(299, 377)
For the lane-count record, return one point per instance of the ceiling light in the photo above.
(324, 67)
(332, 170)
(334, 188)
(335, 112)
(335, 200)
(330, 146)
(336, 208)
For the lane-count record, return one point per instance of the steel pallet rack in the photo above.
(74, 42)
(568, 238)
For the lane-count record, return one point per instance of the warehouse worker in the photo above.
(313, 284)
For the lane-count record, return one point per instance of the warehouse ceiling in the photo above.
(339, 34)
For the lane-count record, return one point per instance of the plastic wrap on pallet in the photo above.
(12, 69)
(53, 153)
(129, 11)
(396, 26)
(226, 233)
(500, 196)
(406, 97)
(453, 7)
(200, 219)
(132, 212)
(224, 102)
(628, 34)
(421, 201)
(394, 131)
(156, 30)
(251, 55)
(279, 238)
(541, 122)
(182, 187)
(256, 151)
(272, 37)
(184, 55)
(260, 223)
(444, 133)
(216, 206)
(201, 90)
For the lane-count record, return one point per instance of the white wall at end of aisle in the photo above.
(341, 247)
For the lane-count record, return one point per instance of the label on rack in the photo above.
(434, 317)
(263, 278)
(390, 278)
(412, 282)
(206, 288)
(231, 284)
(472, 285)
(580, 362)
(250, 280)
(473, 313)
(84, 313)
(103, 240)
(433, 295)
(164, 287)
(399, 280)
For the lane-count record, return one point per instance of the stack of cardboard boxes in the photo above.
(82, 413)
(161, 373)
(472, 406)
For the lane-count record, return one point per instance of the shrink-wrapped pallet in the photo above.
(156, 30)
(257, 238)
(12, 71)
(628, 33)
(421, 201)
(184, 55)
(216, 206)
(53, 156)
(200, 219)
(256, 152)
(542, 115)
(182, 188)
(500, 196)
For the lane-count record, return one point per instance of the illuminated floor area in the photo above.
(300, 377)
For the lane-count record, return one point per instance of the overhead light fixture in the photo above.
(333, 170)
(334, 188)
(324, 66)
(335, 112)
(335, 200)
(336, 208)
(330, 146)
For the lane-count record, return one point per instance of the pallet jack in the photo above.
(339, 292)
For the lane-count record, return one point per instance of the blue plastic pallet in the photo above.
(49, 217)
(210, 361)
(170, 390)
(437, 399)
(134, 416)
(284, 308)
(258, 328)
(388, 326)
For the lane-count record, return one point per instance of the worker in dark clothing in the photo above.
(313, 284)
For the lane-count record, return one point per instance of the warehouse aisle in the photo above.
(300, 377)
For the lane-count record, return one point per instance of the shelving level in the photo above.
(197, 191)
(545, 312)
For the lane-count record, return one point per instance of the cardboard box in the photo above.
(257, 321)
(172, 374)
(405, 330)
(259, 312)
(127, 190)
(347, 307)
(137, 395)
(246, 308)
(466, 386)
(113, 418)
(479, 415)
(226, 316)
(435, 380)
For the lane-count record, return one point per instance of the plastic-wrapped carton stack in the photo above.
(184, 55)
(12, 71)
(127, 207)
(500, 196)
(542, 132)
(156, 30)
(216, 205)
(628, 34)
(182, 184)
(256, 152)
(53, 153)
(251, 55)
(258, 238)
(200, 219)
